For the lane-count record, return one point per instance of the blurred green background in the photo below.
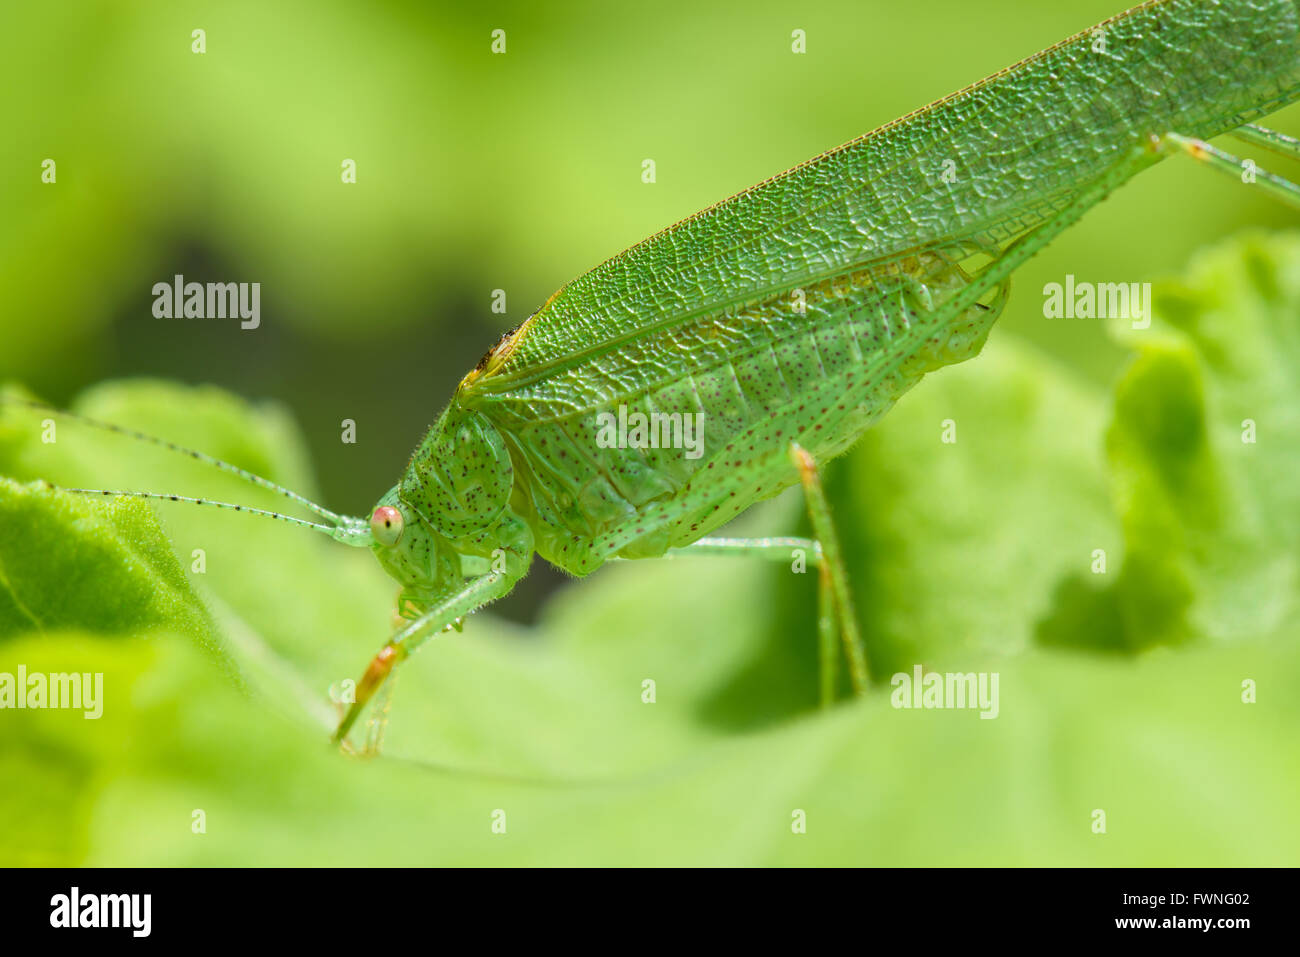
(478, 172)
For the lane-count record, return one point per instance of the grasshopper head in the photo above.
(411, 552)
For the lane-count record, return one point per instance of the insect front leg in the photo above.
(378, 722)
(437, 619)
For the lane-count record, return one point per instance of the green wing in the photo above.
(982, 166)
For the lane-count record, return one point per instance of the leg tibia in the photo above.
(437, 619)
(824, 528)
(1244, 171)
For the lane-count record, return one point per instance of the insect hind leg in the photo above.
(1244, 170)
(1271, 140)
(833, 580)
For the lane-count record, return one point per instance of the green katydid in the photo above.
(790, 317)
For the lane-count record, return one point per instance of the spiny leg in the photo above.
(437, 619)
(833, 561)
(1215, 158)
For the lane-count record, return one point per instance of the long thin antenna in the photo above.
(278, 516)
(202, 457)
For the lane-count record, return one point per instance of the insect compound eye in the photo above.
(386, 525)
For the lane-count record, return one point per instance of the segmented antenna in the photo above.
(202, 457)
(278, 516)
(345, 528)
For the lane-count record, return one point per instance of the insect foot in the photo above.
(380, 668)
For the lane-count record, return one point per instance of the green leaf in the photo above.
(970, 504)
(1204, 451)
(104, 566)
(1163, 745)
